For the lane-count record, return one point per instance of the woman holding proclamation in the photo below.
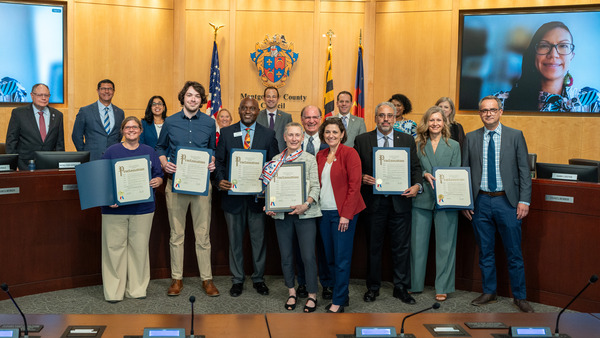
(126, 228)
(340, 174)
(301, 221)
(156, 113)
(435, 148)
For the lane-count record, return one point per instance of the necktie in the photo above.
(247, 139)
(386, 141)
(271, 121)
(491, 165)
(106, 121)
(345, 121)
(310, 147)
(42, 126)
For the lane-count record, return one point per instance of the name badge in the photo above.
(238, 134)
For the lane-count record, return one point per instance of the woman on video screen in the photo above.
(545, 83)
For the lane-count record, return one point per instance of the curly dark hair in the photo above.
(197, 87)
(405, 102)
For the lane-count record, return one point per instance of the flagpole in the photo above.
(328, 104)
(214, 89)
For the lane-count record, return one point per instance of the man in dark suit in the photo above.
(98, 126)
(243, 211)
(354, 125)
(273, 118)
(501, 183)
(35, 127)
(391, 213)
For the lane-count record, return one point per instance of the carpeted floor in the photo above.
(90, 300)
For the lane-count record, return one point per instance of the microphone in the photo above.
(5, 289)
(192, 300)
(592, 280)
(435, 306)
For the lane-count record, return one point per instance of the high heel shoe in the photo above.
(340, 309)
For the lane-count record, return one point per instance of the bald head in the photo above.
(311, 119)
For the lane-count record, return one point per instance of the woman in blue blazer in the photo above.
(156, 112)
(435, 148)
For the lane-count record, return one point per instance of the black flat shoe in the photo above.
(291, 307)
(371, 296)
(236, 289)
(327, 292)
(301, 291)
(340, 309)
(261, 288)
(308, 309)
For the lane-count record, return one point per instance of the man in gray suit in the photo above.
(354, 125)
(35, 127)
(501, 183)
(98, 126)
(273, 118)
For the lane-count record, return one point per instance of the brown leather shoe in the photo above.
(175, 288)
(210, 288)
(485, 298)
(523, 305)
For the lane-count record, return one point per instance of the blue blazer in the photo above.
(148, 136)
(264, 139)
(89, 134)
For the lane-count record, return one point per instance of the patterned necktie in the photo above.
(42, 126)
(310, 147)
(271, 121)
(386, 141)
(247, 139)
(491, 165)
(345, 121)
(106, 121)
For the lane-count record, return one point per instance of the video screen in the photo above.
(32, 50)
(534, 62)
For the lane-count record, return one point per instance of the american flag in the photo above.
(214, 90)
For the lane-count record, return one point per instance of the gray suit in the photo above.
(356, 126)
(281, 119)
(89, 133)
(23, 134)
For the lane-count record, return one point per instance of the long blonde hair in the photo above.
(423, 128)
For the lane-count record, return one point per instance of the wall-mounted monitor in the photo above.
(567, 172)
(32, 49)
(60, 159)
(536, 60)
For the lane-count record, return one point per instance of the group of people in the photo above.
(316, 238)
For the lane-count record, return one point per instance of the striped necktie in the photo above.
(106, 121)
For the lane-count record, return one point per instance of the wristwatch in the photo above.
(308, 205)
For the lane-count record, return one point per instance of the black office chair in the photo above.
(2, 148)
(532, 161)
(581, 161)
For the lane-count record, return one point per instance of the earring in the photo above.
(568, 80)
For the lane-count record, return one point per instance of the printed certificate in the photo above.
(245, 167)
(287, 188)
(453, 188)
(192, 175)
(132, 182)
(391, 170)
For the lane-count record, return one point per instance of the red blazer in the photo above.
(346, 178)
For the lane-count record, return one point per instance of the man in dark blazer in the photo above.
(98, 126)
(501, 183)
(388, 213)
(35, 127)
(243, 211)
(280, 118)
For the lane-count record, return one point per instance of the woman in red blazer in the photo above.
(340, 176)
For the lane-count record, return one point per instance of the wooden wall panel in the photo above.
(387, 6)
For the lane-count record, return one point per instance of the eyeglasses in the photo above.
(106, 89)
(491, 111)
(45, 96)
(562, 48)
(131, 127)
(388, 116)
(157, 103)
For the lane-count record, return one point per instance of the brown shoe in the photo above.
(210, 288)
(485, 298)
(523, 305)
(175, 288)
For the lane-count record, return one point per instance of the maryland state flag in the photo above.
(358, 106)
(328, 97)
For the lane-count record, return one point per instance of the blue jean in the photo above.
(338, 250)
(491, 214)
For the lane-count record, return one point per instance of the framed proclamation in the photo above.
(453, 188)
(245, 167)
(391, 170)
(192, 175)
(287, 188)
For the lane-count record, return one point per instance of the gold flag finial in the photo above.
(330, 34)
(360, 38)
(216, 28)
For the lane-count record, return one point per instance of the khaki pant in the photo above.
(125, 259)
(200, 207)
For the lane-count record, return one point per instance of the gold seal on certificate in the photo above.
(245, 168)
(192, 173)
(453, 188)
(391, 170)
(287, 188)
(132, 180)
